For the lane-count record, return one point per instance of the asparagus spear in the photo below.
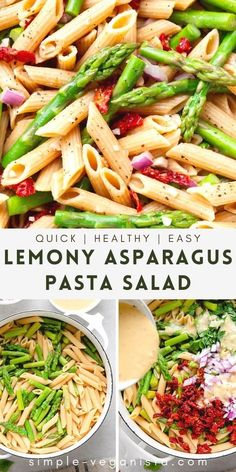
(202, 69)
(205, 19)
(193, 107)
(56, 358)
(216, 138)
(54, 408)
(7, 381)
(98, 67)
(131, 73)
(190, 32)
(226, 5)
(144, 96)
(20, 205)
(73, 7)
(66, 219)
(15, 429)
(164, 367)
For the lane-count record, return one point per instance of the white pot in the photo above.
(93, 336)
(157, 448)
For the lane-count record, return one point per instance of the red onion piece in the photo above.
(154, 71)
(142, 160)
(184, 76)
(65, 18)
(12, 97)
(116, 131)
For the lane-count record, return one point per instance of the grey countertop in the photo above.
(93, 454)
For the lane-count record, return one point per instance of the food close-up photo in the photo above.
(118, 114)
(177, 368)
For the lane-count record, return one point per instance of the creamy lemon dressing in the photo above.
(224, 389)
(73, 305)
(138, 343)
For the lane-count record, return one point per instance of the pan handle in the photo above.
(139, 451)
(95, 323)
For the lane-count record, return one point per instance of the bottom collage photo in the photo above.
(125, 385)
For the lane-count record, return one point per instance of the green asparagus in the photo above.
(164, 367)
(56, 358)
(98, 67)
(21, 205)
(127, 80)
(66, 219)
(7, 381)
(144, 96)
(193, 107)
(15, 429)
(216, 138)
(205, 71)
(205, 19)
(226, 5)
(191, 32)
(73, 7)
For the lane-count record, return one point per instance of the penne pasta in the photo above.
(156, 28)
(75, 29)
(152, 9)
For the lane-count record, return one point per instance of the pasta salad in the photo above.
(117, 113)
(52, 385)
(187, 401)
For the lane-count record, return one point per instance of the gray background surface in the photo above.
(102, 444)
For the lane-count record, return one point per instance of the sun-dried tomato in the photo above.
(169, 177)
(138, 204)
(184, 46)
(102, 97)
(128, 122)
(165, 41)
(10, 54)
(32, 216)
(203, 449)
(28, 21)
(135, 4)
(24, 188)
(178, 440)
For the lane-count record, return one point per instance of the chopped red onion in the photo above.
(116, 131)
(12, 97)
(190, 381)
(65, 18)
(142, 160)
(184, 76)
(155, 71)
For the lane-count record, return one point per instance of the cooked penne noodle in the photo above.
(7, 79)
(4, 217)
(75, 29)
(46, 221)
(147, 139)
(3, 130)
(219, 194)
(67, 58)
(152, 9)
(9, 15)
(68, 119)
(44, 179)
(168, 106)
(115, 187)
(183, 4)
(41, 25)
(110, 147)
(30, 7)
(174, 197)
(36, 101)
(48, 76)
(84, 43)
(94, 164)
(204, 158)
(87, 201)
(217, 117)
(112, 33)
(155, 29)
(207, 47)
(31, 162)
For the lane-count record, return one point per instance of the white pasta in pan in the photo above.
(117, 113)
(41, 385)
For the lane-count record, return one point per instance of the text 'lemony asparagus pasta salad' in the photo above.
(52, 385)
(118, 113)
(187, 400)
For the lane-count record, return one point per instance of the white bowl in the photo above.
(78, 325)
